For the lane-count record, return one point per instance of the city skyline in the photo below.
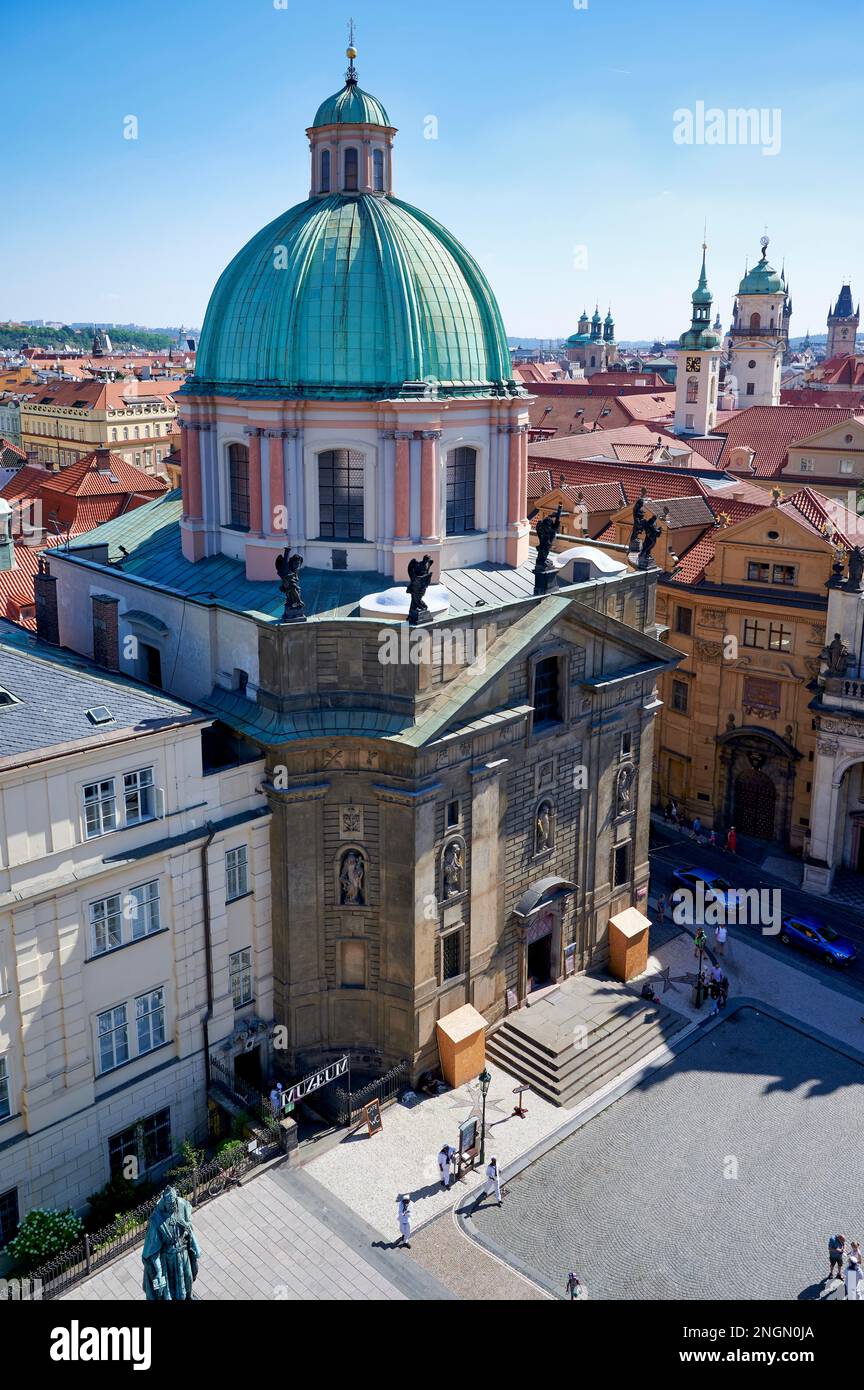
(554, 159)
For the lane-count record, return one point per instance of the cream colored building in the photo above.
(63, 421)
(134, 864)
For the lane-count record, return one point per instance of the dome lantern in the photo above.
(351, 141)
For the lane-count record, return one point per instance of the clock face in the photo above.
(694, 364)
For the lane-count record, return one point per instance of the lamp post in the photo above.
(700, 941)
(485, 1080)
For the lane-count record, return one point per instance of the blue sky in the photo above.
(555, 132)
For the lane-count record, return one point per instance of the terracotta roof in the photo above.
(605, 443)
(810, 394)
(770, 430)
(539, 480)
(841, 371)
(598, 497)
(16, 585)
(100, 395)
(710, 447)
(579, 472)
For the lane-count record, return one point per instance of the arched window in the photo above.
(114, 436)
(461, 480)
(755, 322)
(125, 432)
(325, 171)
(137, 432)
(238, 486)
(340, 495)
(351, 165)
(378, 170)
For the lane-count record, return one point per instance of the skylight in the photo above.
(100, 714)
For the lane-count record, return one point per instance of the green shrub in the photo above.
(42, 1235)
(118, 1195)
(229, 1151)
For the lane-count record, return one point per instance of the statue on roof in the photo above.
(288, 569)
(419, 579)
(855, 571)
(651, 531)
(836, 654)
(547, 530)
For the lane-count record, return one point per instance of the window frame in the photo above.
(9, 1203)
(240, 974)
(139, 788)
(239, 507)
(460, 491)
(341, 493)
(99, 801)
(153, 1011)
(351, 170)
(677, 687)
(236, 871)
(540, 721)
(759, 578)
(683, 612)
(5, 1089)
(119, 1026)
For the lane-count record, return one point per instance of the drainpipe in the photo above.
(208, 947)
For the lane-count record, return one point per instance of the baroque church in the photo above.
(592, 347)
(454, 816)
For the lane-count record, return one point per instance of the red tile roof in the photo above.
(841, 371)
(823, 395)
(658, 481)
(770, 430)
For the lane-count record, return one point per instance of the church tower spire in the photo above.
(698, 364)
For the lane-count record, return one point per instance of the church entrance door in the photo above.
(755, 805)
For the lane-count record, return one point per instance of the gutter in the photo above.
(208, 947)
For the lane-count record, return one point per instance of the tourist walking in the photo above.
(575, 1288)
(854, 1275)
(720, 938)
(494, 1179)
(700, 941)
(445, 1161)
(661, 907)
(732, 840)
(404, 1212)
(836, 1254)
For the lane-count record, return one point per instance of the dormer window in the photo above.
(378, 170)
(351, 167)
(325, 171)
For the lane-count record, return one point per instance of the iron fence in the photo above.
(349, 1104)
(127, 1230)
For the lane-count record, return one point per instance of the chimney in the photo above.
(47, 614)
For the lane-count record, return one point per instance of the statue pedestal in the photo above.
(424, 616)
(293, 615)
(545, 580)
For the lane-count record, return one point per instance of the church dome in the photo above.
(353, 295)
(351, 106)
(763, 278)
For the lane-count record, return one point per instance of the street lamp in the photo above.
(700, 941)
(485, 1080)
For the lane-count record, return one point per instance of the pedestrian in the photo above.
(575, 1287)
(661, 907)
(732, 840)
(700, 941)
(494, 1179)
(712, 839)
(696, 828)
(836, 1252)
(276, 1100)
(445, 1160)
(667, 812)
(720, 938)
(854, 1275)
(673, 813)
(404, 1212)
(648, 992)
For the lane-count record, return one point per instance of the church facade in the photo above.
(456, 807)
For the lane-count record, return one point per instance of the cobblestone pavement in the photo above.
(642, 1203)
(280, 1236)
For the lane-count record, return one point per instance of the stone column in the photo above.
(191, 471)
(255, 518)
(277, 523)
(403, 486)
(487, 985)
(514, 474)
(430, 464)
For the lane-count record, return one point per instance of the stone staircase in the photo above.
(579, 1037)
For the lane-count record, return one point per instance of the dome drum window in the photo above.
(352, 165)
(340, 495)
(325, 171)
(461, 487)
(238, 487)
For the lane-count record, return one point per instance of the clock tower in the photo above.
(760, 334)
(698, 366)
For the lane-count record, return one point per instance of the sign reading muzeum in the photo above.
(448, 829)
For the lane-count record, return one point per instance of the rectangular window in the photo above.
(142, 907)
(113, 1038)
(461, 479)
(783, 574)
(680, 696)
(452, 814)
(758, 572)
(451, 955)
(238, 486)
(754, 633)
(626, 743)
(236, 873)
(779, 638)
(692, 390)
(621, 865)
(340, 495)
(5, 1099)
(241, 977)
(806, 465)
(684, 620)
(351, 170)
(150, 1020)
(547, 695)
(8, 1215)
(106, 924)
(148, 1142)
(139, 907)
(100, 808)
(751, 389)
(139, 795)
(846, 465)
(353, 964)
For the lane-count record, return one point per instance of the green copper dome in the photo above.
(762, 279)
(351, 106)
(353, 296)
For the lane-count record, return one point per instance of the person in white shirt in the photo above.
(494, 1176)
(445, 1159)
(720, 938)
(404, 1212)
(854, 1275)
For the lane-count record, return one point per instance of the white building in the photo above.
(698, 366)
(133, 852)
(760, 333)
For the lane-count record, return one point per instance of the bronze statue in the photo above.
(171, 1252)
(638, 523)
(547, 530)
(288, 569)
(419, 579)
(855, 573)
(837, 656)
(651, 530)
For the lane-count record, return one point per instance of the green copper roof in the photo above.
(351, 106)
(353, 296)
(762, 279)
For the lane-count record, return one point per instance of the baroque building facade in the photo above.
(456, 808)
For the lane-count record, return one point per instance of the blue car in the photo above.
(819, 940)
(714, 885)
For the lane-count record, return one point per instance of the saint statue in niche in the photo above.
(351, 877)
(452, 869)
(543, 828)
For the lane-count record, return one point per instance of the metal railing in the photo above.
(127, 1230)
(246, 1097)
(349, 1104)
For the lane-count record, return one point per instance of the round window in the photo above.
(751, 363)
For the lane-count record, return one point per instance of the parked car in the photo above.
(818, 939)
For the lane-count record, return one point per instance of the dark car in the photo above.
(714, 886)
(813, 936)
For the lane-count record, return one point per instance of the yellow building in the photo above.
(62, 422)
(744, 599)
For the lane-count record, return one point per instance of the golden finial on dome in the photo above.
(351, 54)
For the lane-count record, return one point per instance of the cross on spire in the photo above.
(351, 54)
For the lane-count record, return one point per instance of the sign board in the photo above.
(468, 1135)
(512, 1000)
(315, 1081)
(372, 1115)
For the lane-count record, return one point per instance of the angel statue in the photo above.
(419, 579)
(288, 569)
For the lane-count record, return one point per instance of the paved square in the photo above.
(638, 1201)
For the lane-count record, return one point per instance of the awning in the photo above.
(542, 890)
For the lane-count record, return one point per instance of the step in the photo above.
(629, 1010)
(569, 1055)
